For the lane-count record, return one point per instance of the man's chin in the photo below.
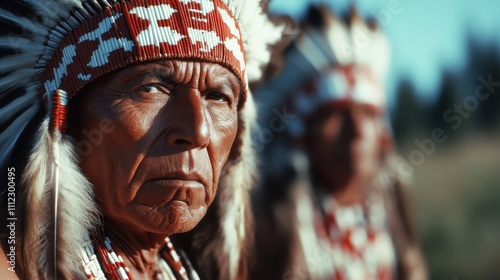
(183, 217)
(175, 216)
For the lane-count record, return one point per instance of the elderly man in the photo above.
(331, 215)
(143, 113)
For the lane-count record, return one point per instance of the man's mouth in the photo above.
(158, 192)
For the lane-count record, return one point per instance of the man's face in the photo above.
(166, 130)
(344, 144)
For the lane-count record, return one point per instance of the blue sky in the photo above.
(427, 36)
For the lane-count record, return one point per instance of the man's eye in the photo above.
(217, 96)
(152, 88)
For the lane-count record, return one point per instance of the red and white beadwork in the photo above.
(145, 30)
(341, 84)
(106, 263)
(357, 240)
(58, 118)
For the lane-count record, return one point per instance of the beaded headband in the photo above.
(139, 31)
(340, 86)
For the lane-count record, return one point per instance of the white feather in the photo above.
(77, 212)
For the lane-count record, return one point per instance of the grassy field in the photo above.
(456, 195)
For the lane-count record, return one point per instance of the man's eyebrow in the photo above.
(165, 76)
(168, 77)
(222, 86)
(226, 82)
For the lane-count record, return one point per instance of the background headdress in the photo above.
(358, 56)
(333, 59)
(58, 46)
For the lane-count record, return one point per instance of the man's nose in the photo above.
(352, 124)
(189, 124)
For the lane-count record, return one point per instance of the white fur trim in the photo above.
(238, 183)
(258, 33)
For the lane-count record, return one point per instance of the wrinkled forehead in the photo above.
(196, 74)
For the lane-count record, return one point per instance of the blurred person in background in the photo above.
(330, 207)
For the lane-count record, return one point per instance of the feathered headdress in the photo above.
(332, 59)
(64, 45)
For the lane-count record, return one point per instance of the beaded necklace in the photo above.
(360, 244)
(103, 261)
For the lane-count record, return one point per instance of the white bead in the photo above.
(84, 255)
(122, 273)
